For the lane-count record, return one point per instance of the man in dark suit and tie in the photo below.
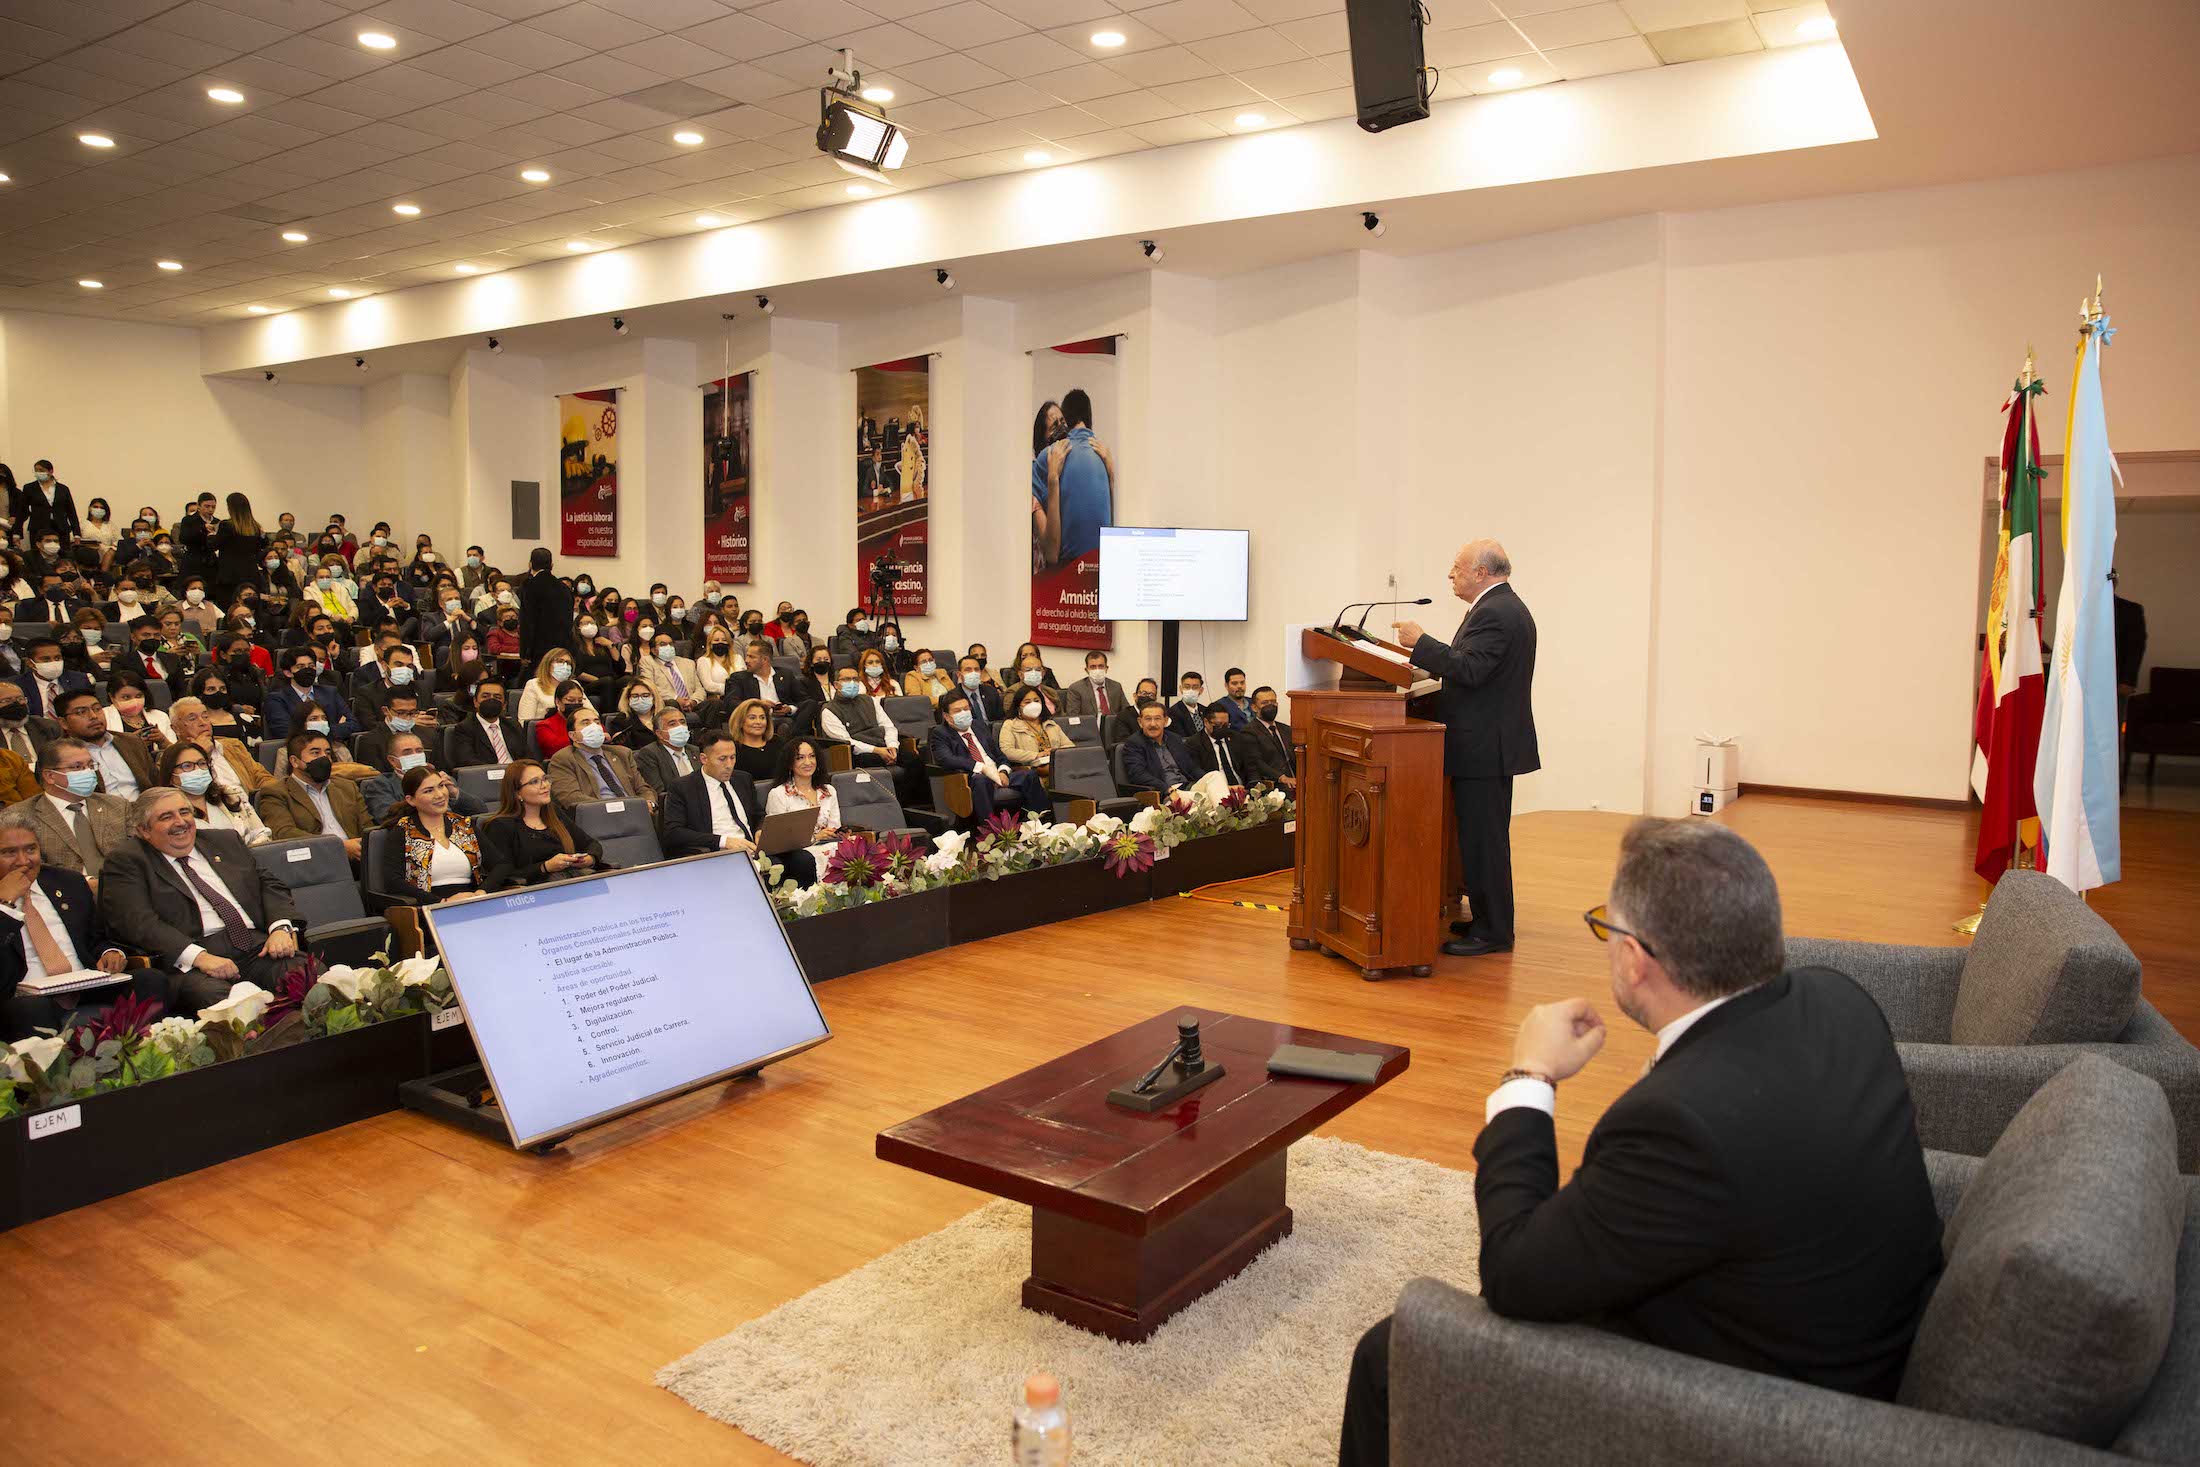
(1488, 672)
(667, 759)
(1155, 758)
(1757, 1198)
(46, 677)
(1215, 748)
(1098, 695)
(985, 695)
(290, 706)
(1264, 745)
(49, 923)
(197, 902)
(485, 736)
(55, 604)
(959, 744)
(711, 810)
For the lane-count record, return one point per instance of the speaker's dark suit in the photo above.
(1489, 737)
(687, 828)
(148, 908)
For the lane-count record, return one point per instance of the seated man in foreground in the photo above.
(1757, 1198)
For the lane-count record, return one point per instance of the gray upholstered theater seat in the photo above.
(318, 874)
(1980, 1028)
(1083, 729)
(867, 799)
(485, 782)
(2065, 1329)
(623, 828)
(1080, 773)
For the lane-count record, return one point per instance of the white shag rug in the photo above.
(914, 1358)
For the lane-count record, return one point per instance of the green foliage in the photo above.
(341, 1019)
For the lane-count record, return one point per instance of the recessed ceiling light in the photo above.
(1038, 155)
(295, 236)
(1505, 76)
(95, 140)
(169, 264)
(408, 210)
(1251, 119)
(339, 292)
(877, 94)
(257, 310)
(225, 94)
(376, 41)
(578, 246)
(466, 269)
(708, 221)
(1816, 28)
(535, 175)
(860, 190)
(688, 139)
(93, 284)
(1107, 40)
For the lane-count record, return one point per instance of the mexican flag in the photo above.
(2013, 687)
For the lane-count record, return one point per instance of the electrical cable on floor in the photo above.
(1194, 895)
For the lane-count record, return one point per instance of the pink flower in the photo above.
(1125, 853)
(857, 861)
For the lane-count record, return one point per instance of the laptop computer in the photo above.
(789, 830)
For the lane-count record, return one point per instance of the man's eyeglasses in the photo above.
(1601, 925)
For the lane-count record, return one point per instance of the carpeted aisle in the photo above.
(913, 1358)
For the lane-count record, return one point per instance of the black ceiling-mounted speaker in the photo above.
(1387, 69)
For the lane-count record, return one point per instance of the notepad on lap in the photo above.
(71, 982)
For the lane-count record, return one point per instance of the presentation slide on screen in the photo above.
(1172, 575)
(592, 996)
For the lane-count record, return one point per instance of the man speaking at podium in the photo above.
(1489, 732)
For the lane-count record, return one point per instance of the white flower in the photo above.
(1103, 824)
(1035, 827)
(1145, 820)
(416, 972)
(174, 1034)
(347, 981)
(40, 1049)
(1276, 799)
(244, 1006)
(947, 849)
(1211, 789)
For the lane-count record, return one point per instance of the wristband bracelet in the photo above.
(1520, 1074)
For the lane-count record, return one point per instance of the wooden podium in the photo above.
(1376, 857)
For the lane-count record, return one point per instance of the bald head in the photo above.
(1479, 565)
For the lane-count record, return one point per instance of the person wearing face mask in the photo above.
(404, 753)
(231, 695)
(100, 529)
(552, 731)
(985, 698)
(48, 508)
(487, 735)
(1095, 695)
(820, 669)
(960, 744)
(391, 666)
(21, 737)
(328, 594)
(1264, 745)
(47, 677)
(899, 657)
(667, 758)
(56, 602)
(131, 714)
(420, 573)
(1027, 656)
(853, 635)
(232, 764)
(877, 682)
(633, 719)
(1031, 677)
(794, 639)
(186, 766)
(545, 608)
(1214, 748)
(473, 569)
(314, 799)
(1185, 718)
(1030, 738)
(301, 697)
(539, 695)
(716, 662)
(852, 716)
(84, 643)
(78, 827)
(596, 663)
(591, 767)
(399, 711)
(672, 679)
(926, 679)
(502, 643)
(442, 617)
(129, 609)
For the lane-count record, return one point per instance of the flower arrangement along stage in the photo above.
(129, 1043)
(863, 869)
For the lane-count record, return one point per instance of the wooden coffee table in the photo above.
(1134, 1216)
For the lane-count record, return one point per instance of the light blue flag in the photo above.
(2075, 779)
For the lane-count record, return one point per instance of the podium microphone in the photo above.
(1360, 630)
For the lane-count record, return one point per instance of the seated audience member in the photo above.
(782, 620)
(820, 668)
(668, 758)
(130, 715)
(539, 695)
(593, 768)
(759, 680)
(1027, 656)
(313, 799)
(444, 618)
(854, 633)
(857, 718)
(756, 747)
(17, 781)
(713, 810)
(596, 660)
(1215, 749)
(50, 923)
(199, 614)
(185, 766)
(802, 783)
(633, 721)
(878, 679)
(54, 604)
(1097, 695)
(1264, 746)
(232, 765)
(672, 679)
(926, 679)
(484, 735)
(1032, 677)
(1235, 699)
(1155, 758)
(1184, 719)
(125, 765)
(198, 902)
(1757, 1198)
(400, 711)
(393, 671)
(435, 853)
(1124, 725)
(84, 645)
(715, 660)
(1031, 737)
(155, 663)
(960, 745)
(404, 753)
(295, 703)
(986, 706)
(231, 697)
(463, 659)
(554, 730)
(529, 841)
(48, 677)
(900, 657)
(501, 641)
(793, 638)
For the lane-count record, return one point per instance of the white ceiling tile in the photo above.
(669, 15)
(669, 56)
(1008, 99)
(590, 25)
(1031, 55)
(815, 20)
(742, 37)
(1206, 93)
(1247, 49)
(1321, 36)
(1579, 26)
(1043, 14)
(495, 106)
(474, 68)
(1275, 11)
(1196, 20)
(1473, 45)
(1628, 53)
(890, 45)
(1125, 108)
(204, 22)
(534, 49)
(1169, 130)
(1702, 42)
(743, 83)
(139, 71)
(968, 23)
(548, 93)
(1171, 64)
(293, 15)
(1082, 83)
(1666, 15)
(1291, 80)
(952, 73)
(804, 66)
(1062, 122)
(259, 79)
(937, 115)
(617, 115)
(323, 58)
(445, 20)
(608, 75)
(745, 122)
(1784, 26)
(1317, 106)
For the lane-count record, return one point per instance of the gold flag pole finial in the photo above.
(2031, 374)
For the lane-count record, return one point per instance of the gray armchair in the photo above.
(2065, 1329)
(1981, 1028)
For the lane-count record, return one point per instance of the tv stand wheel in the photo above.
(1372, 975)
(1420, 970)
(1300, 944)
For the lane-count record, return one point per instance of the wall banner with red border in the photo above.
(588, 473)
(893, 481)
(1073, 492)
(728, 419)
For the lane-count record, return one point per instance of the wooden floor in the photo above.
(397, 1290)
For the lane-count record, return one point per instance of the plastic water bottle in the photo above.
(1041, 1426)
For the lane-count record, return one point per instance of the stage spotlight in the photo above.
(269, 375)
(496, 346)
(860, 140)
(947, 281)
(618, 324)
(1372, 222)
(764, 304)
(1152, 249)
(360, 363)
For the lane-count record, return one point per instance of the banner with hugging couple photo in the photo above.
(1073, 490)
